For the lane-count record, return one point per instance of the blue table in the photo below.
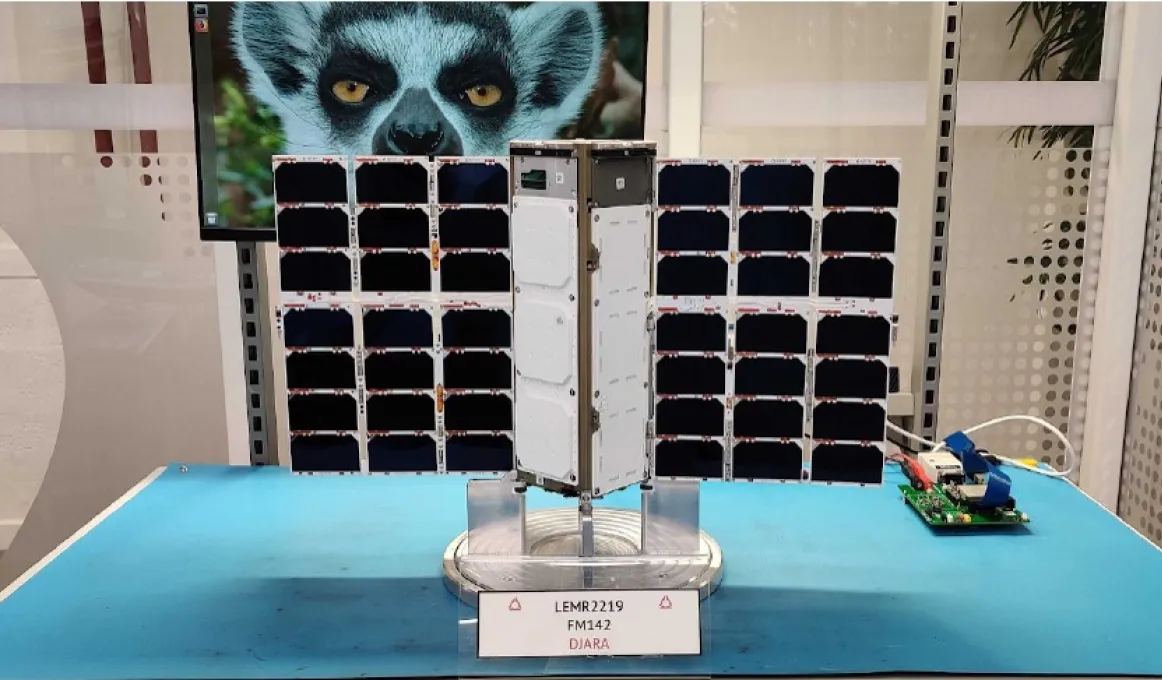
(232, 572)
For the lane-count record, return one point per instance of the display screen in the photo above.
(399, 78)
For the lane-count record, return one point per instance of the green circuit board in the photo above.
(938, 510)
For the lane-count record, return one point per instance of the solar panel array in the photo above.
(774, 297)
(396, 313)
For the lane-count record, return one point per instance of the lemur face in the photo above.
(419, 79)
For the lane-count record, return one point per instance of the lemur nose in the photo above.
(416, 140)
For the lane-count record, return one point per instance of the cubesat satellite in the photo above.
(584, 318)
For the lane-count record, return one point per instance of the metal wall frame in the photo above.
(945, 122)
(256, 352)
(1099, 182)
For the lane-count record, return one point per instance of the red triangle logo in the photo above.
(514, 606)
(665, 603)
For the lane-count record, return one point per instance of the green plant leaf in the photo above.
(1073, 33)
(1018, 16)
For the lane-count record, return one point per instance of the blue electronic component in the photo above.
(998, 486)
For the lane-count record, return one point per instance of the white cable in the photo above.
(1070, 454)
(914, 437)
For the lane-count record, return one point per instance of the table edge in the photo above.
(80, 533)
(157, 472)
(1112, 513)
(891, 675)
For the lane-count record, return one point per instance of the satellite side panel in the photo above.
(545, 347)
(621, 297)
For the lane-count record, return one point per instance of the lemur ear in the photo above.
(273, 38)
(562, 43)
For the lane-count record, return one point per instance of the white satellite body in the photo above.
(582, 248)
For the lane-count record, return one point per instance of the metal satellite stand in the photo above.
(508, 548)
(582, 247)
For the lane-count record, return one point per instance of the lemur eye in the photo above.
(483, 96)
(350, 91)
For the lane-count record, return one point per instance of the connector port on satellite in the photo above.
(537, 180)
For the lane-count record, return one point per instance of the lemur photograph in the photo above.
(414, 79)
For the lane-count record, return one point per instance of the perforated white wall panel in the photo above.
(1139, 502)
(1018, 233)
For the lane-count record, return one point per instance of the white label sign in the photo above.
(589, 623)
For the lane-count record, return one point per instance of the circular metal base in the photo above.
(553, 539)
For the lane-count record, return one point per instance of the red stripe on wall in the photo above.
(142, 68)
(95, 56)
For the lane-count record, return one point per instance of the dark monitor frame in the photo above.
(205, 156)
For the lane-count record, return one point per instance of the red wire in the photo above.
(914, 467)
